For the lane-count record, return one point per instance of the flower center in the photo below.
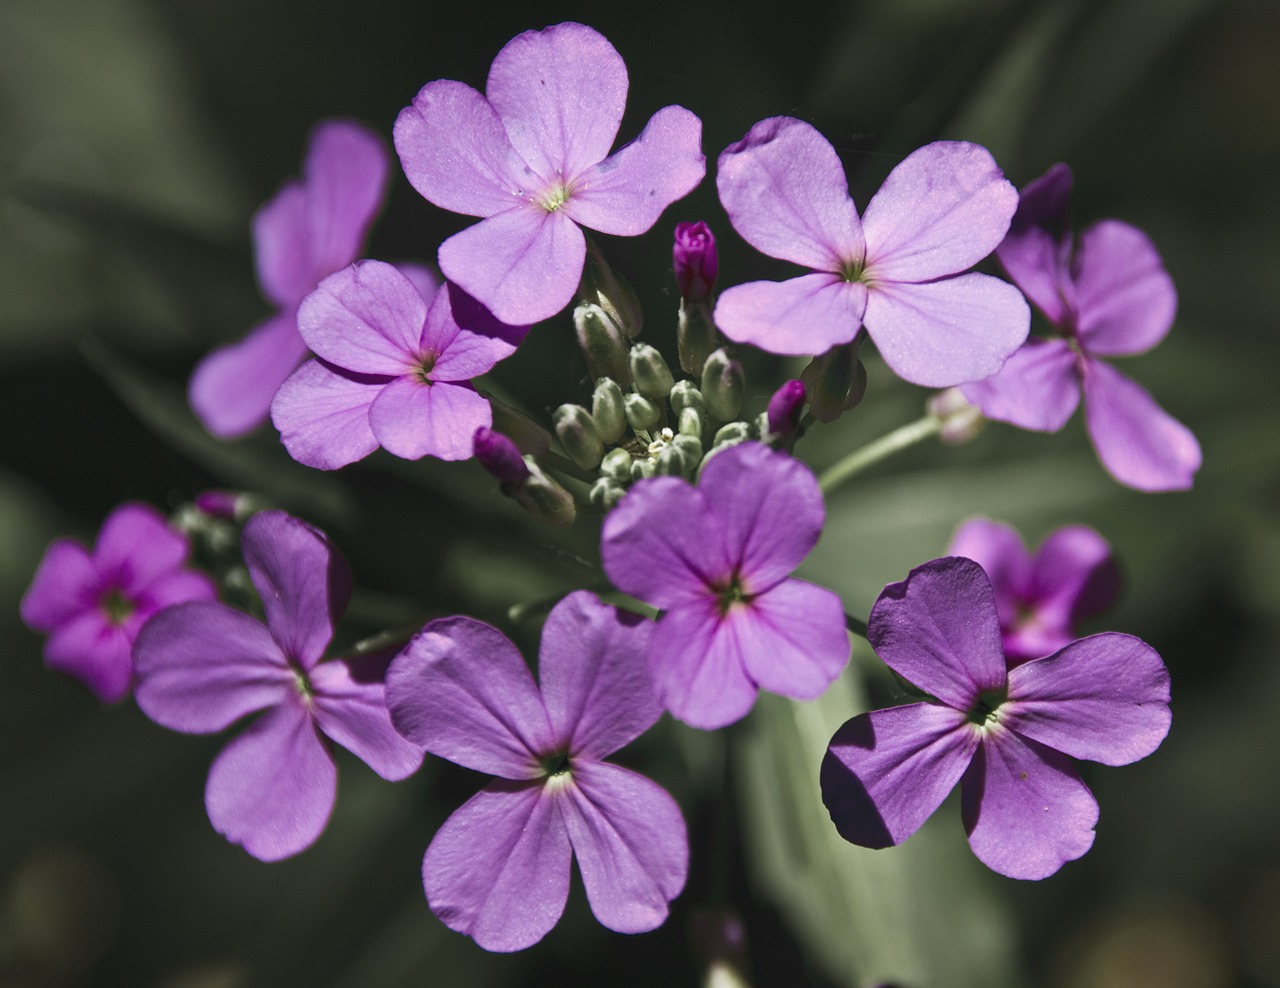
(556, 765)
(426, 364)
(553, 197)
(302, 684)
(986, 711)
(117, 607)
(731, 594)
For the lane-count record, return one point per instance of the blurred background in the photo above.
(136, 139)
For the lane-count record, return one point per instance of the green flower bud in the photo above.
(617, 466)
(723, 382)
(835, 381)
(642, 414)
(731, 433)
(691, 423)
(690, 448)
(640, 469)
(603, 286)
(578, 434)
(670, 463)
(696, 336)
(609, 410)
(650, 373)
(603, 343)
(543, 498)
(685, 394)
(606, 493)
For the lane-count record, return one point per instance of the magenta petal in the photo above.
(630, 841)
(460, 690)
(282, 247)
(232, 387)
(885, 772)
(345, 172)
(697, 666)
(91, 649)
(1037, 250)
(174, 588)
(785, 191)
(625, 194)
(366, 318)
(792, 639)
(136, 545)
(560, 94)
(498, 870)
(1139, 443)
(595, 682)
(323, 415)
(1025, 808)
(938, 629)
(202, 666)
(65, 583)
(998, 549)
(271, 789)
(523, 265)
(1125, 300)
(1075, 575)
(1104, 698)
(947, 332)
(350, 707)
(413, 419)
(1038, 388)
(800, 317)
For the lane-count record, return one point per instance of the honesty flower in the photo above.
(1004, 734)
(717, 559)
(203, 666)
(1041, 598)
(1109, 295)
(531, 156)
(498, 870)
(392, 371)
(896, 270)
(93, 604)
(310, 229)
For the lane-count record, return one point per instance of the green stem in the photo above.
(874, 452)
(857, 627)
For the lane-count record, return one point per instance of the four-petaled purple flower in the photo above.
(894, 271)
(309, 230)
(531, 156)
(498, 870)
(1041, 598)
(1004, 734)
(1108, 295)
(203, 666)
(717, 559)
(393, 370)
(93, 604)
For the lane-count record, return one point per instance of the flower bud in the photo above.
(961, 421)
(642, 469)
(690, 448)
(617, 466)
(603, 343)
(836, 381)
(670, 463)
(606, 493)
(723, 381)
(608, 410)
(500, 457)
(785, 408)
(579, 436)
(695, 261)
(543, 498)
(604, 287)
(685, 395)
(650, 373)
(691, 423)
(529, 435)
(641, 413)
(227, 505)
(696, 336)
(732, 433)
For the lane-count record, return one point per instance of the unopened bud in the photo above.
(608, 410)
(684, 394)
(691, 423)
(642, 469)
(603, 343)
(695, 261)
(603, 286)
(670, 463)
(606, 493)
(529, 435)
(616, 465)
(650, 373)
(642, 413)
(723, 381)
(500, 457)
(785, 408)
(690, 448)
(227, 505)
(543, 498)
(961, 421)
(696, 336)
(732, 433)
(577, 433)
(836, 381)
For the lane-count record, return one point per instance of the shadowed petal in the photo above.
(366, 318)
(792, 639)
(413, 419)
(1124, 297)
(801, 317)
(65, 583)
(460, 353)
(282, 247)
(998, 549)
(323, 415)
(1037, 250)
(1075, 575)
(1038, 387)
(92, 650)
(697, 667)
(345, 173)
(350, 706)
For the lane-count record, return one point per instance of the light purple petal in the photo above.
(885, 772)
(998, 549)
(202, 666)
(1104, 698)
(323, 415)
(1038, 388)
(792, 639)
(93, 650)
(944, 208)
(460, 690)
(65, 583)
(349, 705)
(947, 332)
(800, 317)
(458, 353)
(271, 789)
(345, 174)
(303, 581)
(423, 278)
(498, 870)
(282, 247)
(1125, 300)
(136, 546)
(523, 265)
(626, 193)
(938, 629)
(1025, 808)
(455, 153)
(786, 194)
(1139, 443)
(560, 94)
(232, 387)
(697, 667)
(594, 677)
(1075, 575)
(1037, 250)
(366, 318)
(413, 419)
(631, 844)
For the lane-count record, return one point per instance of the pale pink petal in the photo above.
(1038, 388)
(95, 651)
(345, 174)
(998, 549)
(282, 247)
(366, 318)
(792, 639)
(1125, 300)
(323, 415)
(65, 583)
(412, 419)
(349, 705)
(800, 317)
(698, 667)
(1037, 250)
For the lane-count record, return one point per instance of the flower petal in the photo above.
(172, 588)
(1125, 300)
(498, 870)
(136, 546)
(345, 173)
(1140, 444)
(464, 337)
(413, 419)
(1038, 388)
(349, 704)
(697, 667)
(630, 842)
(1075, 576)
(792, 638)
(92, 650)
(1104, 698)
(65, 584)
(885, 772)
(282, 247)
(800, 317)
(1025, 808)
(998, 549)
(947, 332)
(271, 789)
(322, 415)
(1037, 250)
(366, 318)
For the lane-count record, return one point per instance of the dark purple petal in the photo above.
(1038, 388)
(282, 247)
(1075, 576)
(885, 772)
(345, 174)
(95, 651)
(498, 870)
(697, 667)
(801, 317)
(412, 419)
(630, 841)
(136, 546)
(271, 789)
(1037, 250)
(460, 690)
(792, 639)
(366, 318)
(202, 666)
(1125, 300)
(322, 415)
(351, 708)
(1104, 698)
(595, 681)
(1139, 443)
(303, 581)
(998, 549)
(65, 584)
(938, 629)
(1025, 808)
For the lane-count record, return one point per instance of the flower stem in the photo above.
(855, 626)
(874, 452)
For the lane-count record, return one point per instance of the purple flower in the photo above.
(1108, 295)
(531, 156)
(392, 371)
(1004, 734)
(93, 604)
(717, 559)
(1041, 598)
(498, 870)
(695, 261)
(309, 230)
(203, 666)
(943, 209)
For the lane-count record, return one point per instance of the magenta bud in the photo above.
(218, 504)
(784, 409)
(695, 261)
(500, 457)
